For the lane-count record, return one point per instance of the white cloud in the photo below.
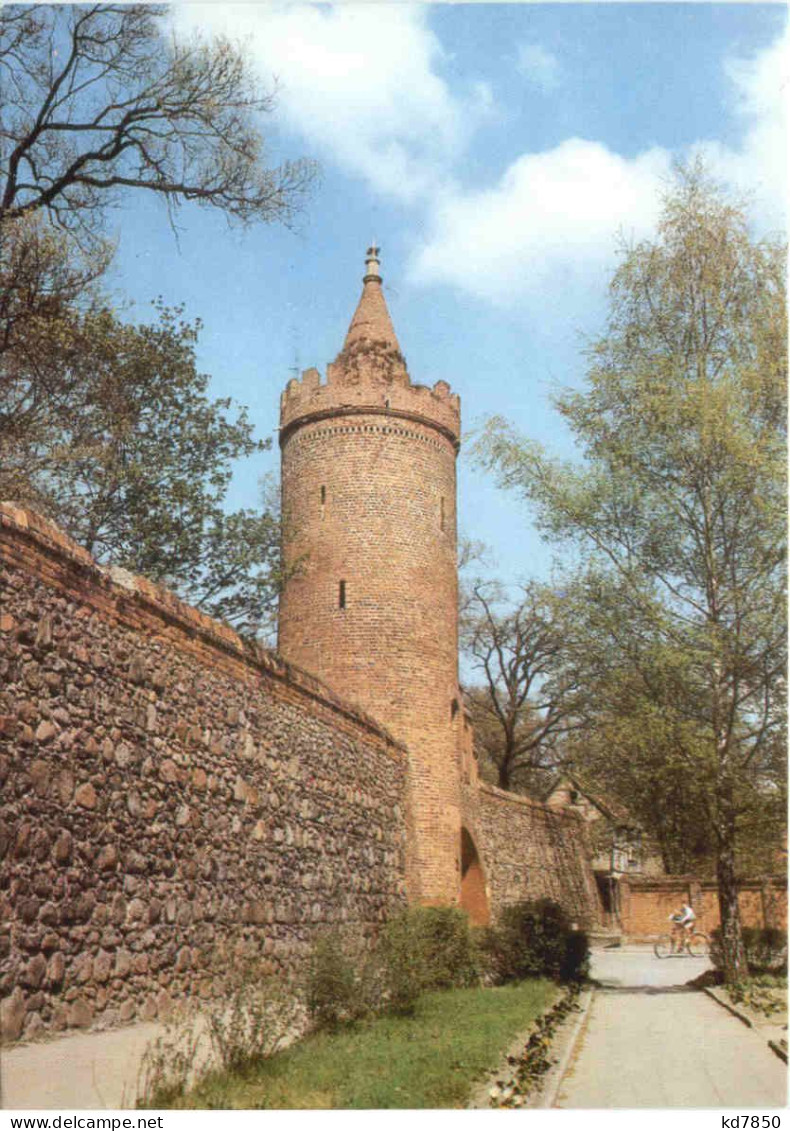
(759, 165)
(539, 66)
(359, 82)
(547, 225)
(362, 84)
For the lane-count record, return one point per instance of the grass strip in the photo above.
(430, 1060)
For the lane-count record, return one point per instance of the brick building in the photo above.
(619, 848)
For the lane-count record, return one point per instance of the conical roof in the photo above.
(371, 321)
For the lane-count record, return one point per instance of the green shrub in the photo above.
(449, 949)
(401, 964)
(424, 949)
(339, 982)
(576, 960)
(766, 949)
(536, 938)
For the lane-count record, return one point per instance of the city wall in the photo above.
(171, 795)
(167, 794)
(530, 852)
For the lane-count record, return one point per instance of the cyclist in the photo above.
(683, 921)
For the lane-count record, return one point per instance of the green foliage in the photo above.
(533, 939)
(575, 964)
(402, 961)
(419, 950)
(448, 943)
(679, 513)
(137, 461)
(424, 949)
(105, 426)
(765, 947)
(430, 1059)
(334, 986)
(445, 940)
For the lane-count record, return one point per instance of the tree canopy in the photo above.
(105, 425)
(100, 98)
(135, 461)
(680, 505)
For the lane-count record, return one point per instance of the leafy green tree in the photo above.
(137, 466)
(46, 286)
(681, 504)
(107, 427)
(636, 742)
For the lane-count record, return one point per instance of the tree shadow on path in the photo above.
(690, 988)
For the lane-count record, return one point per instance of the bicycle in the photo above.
(696, 945)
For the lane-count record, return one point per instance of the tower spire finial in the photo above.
(371, 321)
(372, 264)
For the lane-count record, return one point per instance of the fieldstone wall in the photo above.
(531, 852)
(167, 792)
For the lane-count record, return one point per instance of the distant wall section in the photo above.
(167, 792)
(530, 852)
(646, 904)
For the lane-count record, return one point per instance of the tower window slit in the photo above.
(341, 598)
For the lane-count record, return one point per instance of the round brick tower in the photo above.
(369, 515)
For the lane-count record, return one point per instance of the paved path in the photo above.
(80, 1071)
(649, 1042)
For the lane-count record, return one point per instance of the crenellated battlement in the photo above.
(307, 398)
(369, 375)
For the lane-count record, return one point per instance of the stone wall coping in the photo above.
(669, 883)
(19, 521)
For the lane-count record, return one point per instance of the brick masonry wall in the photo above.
(647, 904)
(370, 500)
(530, 852)
(167, 792)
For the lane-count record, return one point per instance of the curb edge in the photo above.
(549, 1096)
(730, 1008)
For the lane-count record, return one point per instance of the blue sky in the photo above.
(494, 152)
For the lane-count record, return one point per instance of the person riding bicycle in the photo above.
(683, 921)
